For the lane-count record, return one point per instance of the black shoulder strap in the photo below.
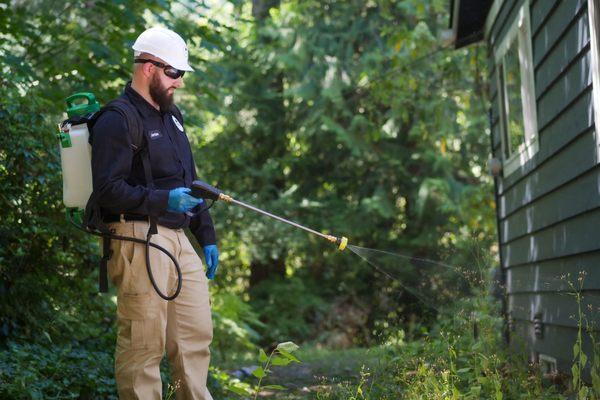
(132, 116)
(138, 143)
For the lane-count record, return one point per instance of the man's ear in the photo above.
(147, 70)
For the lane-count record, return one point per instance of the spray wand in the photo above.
(204, 190)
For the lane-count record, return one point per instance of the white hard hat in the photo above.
(164, 44)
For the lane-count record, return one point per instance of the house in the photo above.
(544, 86)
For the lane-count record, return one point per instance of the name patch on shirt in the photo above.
(155, 134)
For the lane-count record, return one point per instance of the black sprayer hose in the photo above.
(148, 244)
(177, 268)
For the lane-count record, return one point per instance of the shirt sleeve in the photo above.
(112, 157)
(201, 224)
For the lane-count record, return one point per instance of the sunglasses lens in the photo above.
(173, 73)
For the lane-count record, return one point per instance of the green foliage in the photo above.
(580, 359)
(44, 263)
(345, 116)
(354, 126)
(280, 356)
(44, 57)
(288, 308)
(235, 323)
(448, 363)
(50, 370)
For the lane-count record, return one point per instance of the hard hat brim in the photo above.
(156, 53)
(185, 67)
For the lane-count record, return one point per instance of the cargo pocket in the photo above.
(138, 322)
(123, 253)
(126, 248)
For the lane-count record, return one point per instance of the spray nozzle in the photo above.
(341, 242)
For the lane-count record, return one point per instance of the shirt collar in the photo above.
(145, 108)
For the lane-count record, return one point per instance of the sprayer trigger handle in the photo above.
(205, 191)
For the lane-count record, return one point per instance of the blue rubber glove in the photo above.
(211, 254)
(181, 201)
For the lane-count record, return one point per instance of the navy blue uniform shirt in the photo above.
(119, 175)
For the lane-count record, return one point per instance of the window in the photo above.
(516, 94)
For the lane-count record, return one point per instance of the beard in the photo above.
(160, 94)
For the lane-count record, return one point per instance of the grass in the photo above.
(447, 362)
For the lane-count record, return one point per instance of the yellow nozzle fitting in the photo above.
(224, 197)
(342, 242)
(331, 238)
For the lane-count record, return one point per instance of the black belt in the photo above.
(126, 217)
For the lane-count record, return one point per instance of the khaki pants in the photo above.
(147, 324)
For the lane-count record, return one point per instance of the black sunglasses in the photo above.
(169, 71)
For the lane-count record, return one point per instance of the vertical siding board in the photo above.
(493, 92)
(496, 136)
(501, 24)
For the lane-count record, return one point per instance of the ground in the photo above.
(321, 371)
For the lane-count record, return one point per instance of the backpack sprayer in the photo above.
(78, 195)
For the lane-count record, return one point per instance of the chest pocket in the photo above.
(163, 158)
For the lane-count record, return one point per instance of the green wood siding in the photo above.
(540, 10)
(576, 235)
(572, 45)
(560, 274)
(563, 91)
(576, 197)
(554, 25)
(573, 160)
(556, 136)
(557, 342)
(549, 209)
(556, 308)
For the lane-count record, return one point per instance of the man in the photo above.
(148, 324)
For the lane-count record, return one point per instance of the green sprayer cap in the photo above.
(77, 108)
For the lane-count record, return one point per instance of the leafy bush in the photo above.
(288, 307)
(47, 370)
(235, 326)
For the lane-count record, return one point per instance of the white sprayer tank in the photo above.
(76, 152)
